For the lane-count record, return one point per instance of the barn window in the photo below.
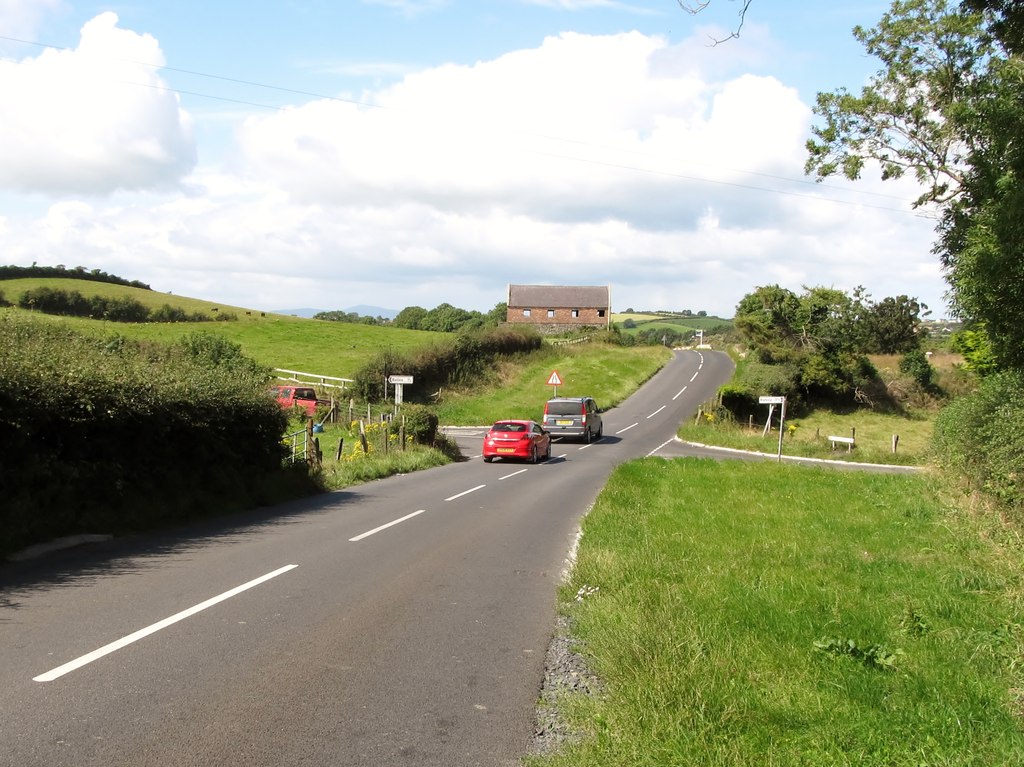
(526, 312)
(575, 313)
(551, 313)
(600, 312)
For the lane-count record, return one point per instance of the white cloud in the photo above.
(587, 160)
(21, 18)
(94, 119)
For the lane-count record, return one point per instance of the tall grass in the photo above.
(756, 614)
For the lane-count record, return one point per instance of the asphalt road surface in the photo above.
(401, 622)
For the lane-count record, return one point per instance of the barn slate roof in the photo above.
(559, 296)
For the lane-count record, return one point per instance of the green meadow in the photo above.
(737, 614)
(279, 341)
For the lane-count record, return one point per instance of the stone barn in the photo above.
(559, 308)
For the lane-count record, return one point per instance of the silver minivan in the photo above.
(575, 417)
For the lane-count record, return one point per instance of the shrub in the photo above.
(916, 365)
(753, 379)
(981, 437)
(420, 423)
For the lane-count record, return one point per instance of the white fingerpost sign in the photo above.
(771, 402)
(398, 382)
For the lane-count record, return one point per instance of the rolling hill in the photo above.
(276, 340)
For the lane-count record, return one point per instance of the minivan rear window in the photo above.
(565, 408)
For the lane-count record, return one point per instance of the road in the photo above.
(400, 622)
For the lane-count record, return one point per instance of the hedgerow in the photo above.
(981, 437)
(111, 435)
(71, 303)
(452, 363)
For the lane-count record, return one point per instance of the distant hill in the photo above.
(362, 310)
(373, 311)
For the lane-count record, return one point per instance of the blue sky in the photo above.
(325, 154)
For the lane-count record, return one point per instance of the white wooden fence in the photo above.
(312, 379)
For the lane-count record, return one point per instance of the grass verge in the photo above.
(743, 614)
(607, 373)
(808, 436)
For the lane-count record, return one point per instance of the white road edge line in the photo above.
(659, 447)
(678, 393)
(60, 671)
(465, 492)
(657, 411)
(627, 428)
(393, 522)
(513, 474)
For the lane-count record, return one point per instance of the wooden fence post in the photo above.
(341, 445)
(362, 437)
(895, 442)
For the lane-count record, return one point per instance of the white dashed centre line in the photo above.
(678, 393)
(465, 492)
(657, 411)
(513, 474)
(620, 431)
(392, 523)
(694, 376)
(60, 671)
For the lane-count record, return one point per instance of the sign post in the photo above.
(772, 402)
(554, 380)
(398, 382)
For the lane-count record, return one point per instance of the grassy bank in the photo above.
(275, 340)
(519, 388)
(808, 436)
(741, 614)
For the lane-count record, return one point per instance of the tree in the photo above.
(1005, 18)
(410, 318)
(446, 318)
(767, 319)
(819, 337)
(947, 107)
(694, 7)
(497, 315)
(894, 325)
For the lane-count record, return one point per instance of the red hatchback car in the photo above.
(517, 439)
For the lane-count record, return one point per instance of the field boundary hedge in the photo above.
(111, 436)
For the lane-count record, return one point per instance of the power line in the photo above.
(532, 134)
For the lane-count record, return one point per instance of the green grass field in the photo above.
(670, 324)
(754, 614)
(275, 340)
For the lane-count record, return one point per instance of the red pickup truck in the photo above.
(296, 396)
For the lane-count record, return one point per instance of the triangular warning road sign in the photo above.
(554, 380)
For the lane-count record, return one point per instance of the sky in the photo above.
(330, 154)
